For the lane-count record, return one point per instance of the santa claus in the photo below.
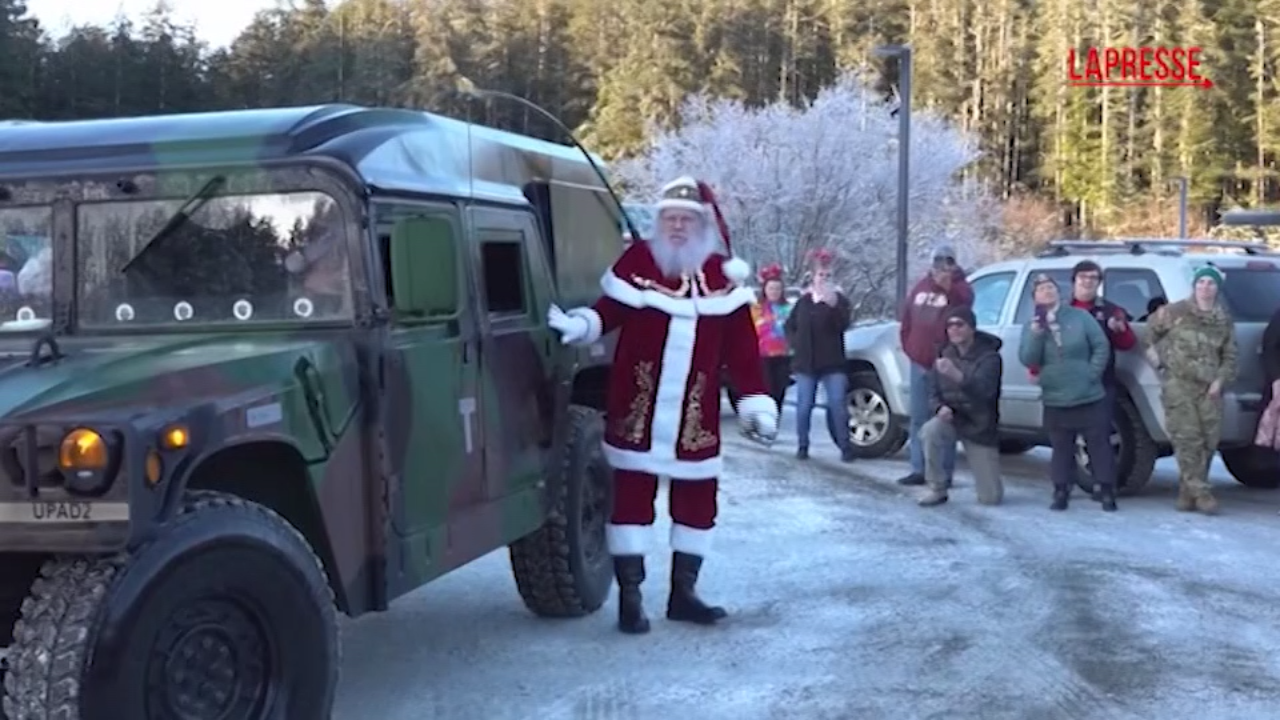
(683, 314)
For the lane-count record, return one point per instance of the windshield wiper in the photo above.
(179, 218)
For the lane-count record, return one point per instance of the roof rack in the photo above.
(1143, 246)
(1237, 217)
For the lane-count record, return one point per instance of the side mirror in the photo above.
(424, 268)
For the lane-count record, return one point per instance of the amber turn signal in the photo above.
(175, 437)
(154, 467)
(83, 449)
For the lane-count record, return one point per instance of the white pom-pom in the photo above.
(737, 270)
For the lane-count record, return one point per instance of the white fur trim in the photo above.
(737, 270)
(594, 325)
(628, 539)
(632, 296)
(664, 431)
(762, 404)
(649, 461)
(682, 181)
(690, 540)
(674, 204)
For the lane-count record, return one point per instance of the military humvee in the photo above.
(259, 367)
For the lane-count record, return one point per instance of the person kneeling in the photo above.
(966, 404)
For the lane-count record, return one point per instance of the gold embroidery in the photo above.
(694, 437)
(632, 427)
(647, 284)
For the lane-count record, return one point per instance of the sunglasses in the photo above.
(957, 323)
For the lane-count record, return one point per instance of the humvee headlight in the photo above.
(175, 437)
(83, 449)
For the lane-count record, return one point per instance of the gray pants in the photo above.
(940, 439)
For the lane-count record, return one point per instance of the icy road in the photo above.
(851, 603)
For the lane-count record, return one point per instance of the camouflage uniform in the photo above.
(1194, 348)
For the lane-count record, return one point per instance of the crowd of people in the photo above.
(1068, 348)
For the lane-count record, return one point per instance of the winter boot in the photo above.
(684, 605)
(629, 570)
(1060, 497)
(847, 455)
(802, 453)
(1186, 499)
(933, 498)
(1106, 495)
(1207, 503)
(911, 479)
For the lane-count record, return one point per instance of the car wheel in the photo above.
(1132, 447)
(873, 430)
(226, 613)
(1253, 466)
(564, 569)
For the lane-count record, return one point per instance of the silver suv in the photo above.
(1136, 272)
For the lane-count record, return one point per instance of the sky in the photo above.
(217, 22)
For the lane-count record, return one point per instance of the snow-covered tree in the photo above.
(791, 180)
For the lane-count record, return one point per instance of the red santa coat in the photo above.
(664, 388)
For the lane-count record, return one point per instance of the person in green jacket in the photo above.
(1071, 351)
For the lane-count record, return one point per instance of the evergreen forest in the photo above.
(1100, 160)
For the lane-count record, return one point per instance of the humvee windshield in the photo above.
(238, 259)
(25, 255)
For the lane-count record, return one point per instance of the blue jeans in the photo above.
(921, 411)
(836, 386)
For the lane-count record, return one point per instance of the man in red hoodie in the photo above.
(1086, 278)
(923, 329)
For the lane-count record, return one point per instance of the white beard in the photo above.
(686, 258)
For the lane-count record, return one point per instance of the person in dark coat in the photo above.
(921, 333)
(966, 407)
(815, 330)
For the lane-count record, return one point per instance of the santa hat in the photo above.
(687, 193)
(822, 259)
(769, 273)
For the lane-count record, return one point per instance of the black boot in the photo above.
(684, 605)
(629, 570)
(1060, 497)
(1107, 496)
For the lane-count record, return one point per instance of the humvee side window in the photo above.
(503, 264)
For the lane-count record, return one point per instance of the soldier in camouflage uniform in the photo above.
(1195, 350)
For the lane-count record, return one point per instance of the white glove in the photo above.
(762, 423)
(572, 328)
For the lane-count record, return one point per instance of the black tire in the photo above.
(101, 638)
(1014, 447)
(874, 431)
(563, 569)
(1135, 451)
(1253, 466)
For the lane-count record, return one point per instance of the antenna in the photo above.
(466, 87)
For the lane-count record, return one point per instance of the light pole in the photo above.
(903, 54)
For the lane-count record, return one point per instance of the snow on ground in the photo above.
(850, 602)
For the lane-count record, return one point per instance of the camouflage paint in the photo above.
(393, 500)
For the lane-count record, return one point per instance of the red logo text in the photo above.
(1136, 67)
